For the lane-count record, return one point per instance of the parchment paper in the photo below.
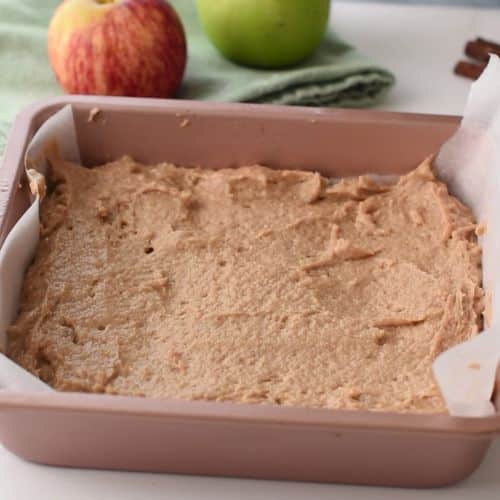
(469, 163)
(19, 246)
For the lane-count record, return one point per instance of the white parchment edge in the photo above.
(19, 247)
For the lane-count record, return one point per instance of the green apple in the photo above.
(264, 33)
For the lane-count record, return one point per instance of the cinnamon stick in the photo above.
(469, 69)
(480, 49)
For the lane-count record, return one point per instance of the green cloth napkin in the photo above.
(25, 74)
(336, 75)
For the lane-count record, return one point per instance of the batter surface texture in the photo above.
(248, 285)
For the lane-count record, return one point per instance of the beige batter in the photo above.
(248, 285)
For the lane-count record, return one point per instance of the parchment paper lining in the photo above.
(469, 163)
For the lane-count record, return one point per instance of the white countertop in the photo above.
(20, 480)
(420, 44)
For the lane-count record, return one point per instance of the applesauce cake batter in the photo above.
(249, 285)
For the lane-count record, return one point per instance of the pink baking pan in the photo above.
(226, 439)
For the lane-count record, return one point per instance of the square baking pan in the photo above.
(227, 439)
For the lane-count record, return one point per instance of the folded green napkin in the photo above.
(25, 74)
(336, 75)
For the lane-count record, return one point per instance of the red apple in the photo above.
(117, 47)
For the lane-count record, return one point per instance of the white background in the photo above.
(420, 44)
